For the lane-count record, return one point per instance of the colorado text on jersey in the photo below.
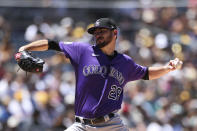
(102, 70)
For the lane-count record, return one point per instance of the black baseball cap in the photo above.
(103, 23)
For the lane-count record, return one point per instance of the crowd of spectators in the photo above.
(151, 37)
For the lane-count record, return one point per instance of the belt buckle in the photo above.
(106, 118)
(92, 121)
(82, 121)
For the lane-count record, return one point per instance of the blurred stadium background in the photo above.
(151, 31)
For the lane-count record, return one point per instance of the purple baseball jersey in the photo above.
(99, 80)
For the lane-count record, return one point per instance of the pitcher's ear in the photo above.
(115, 32)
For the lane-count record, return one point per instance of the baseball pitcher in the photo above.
(101, 73)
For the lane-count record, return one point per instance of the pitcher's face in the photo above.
(103, 37)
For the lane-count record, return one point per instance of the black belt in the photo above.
(94, 121)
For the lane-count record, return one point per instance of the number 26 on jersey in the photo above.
(115, 92)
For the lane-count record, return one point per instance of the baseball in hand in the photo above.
(176, 63)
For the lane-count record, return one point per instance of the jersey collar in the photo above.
(99, 52)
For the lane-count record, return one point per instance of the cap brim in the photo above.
(92, 29)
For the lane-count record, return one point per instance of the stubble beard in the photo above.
(105, 42)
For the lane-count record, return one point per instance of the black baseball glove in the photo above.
(29, 63)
